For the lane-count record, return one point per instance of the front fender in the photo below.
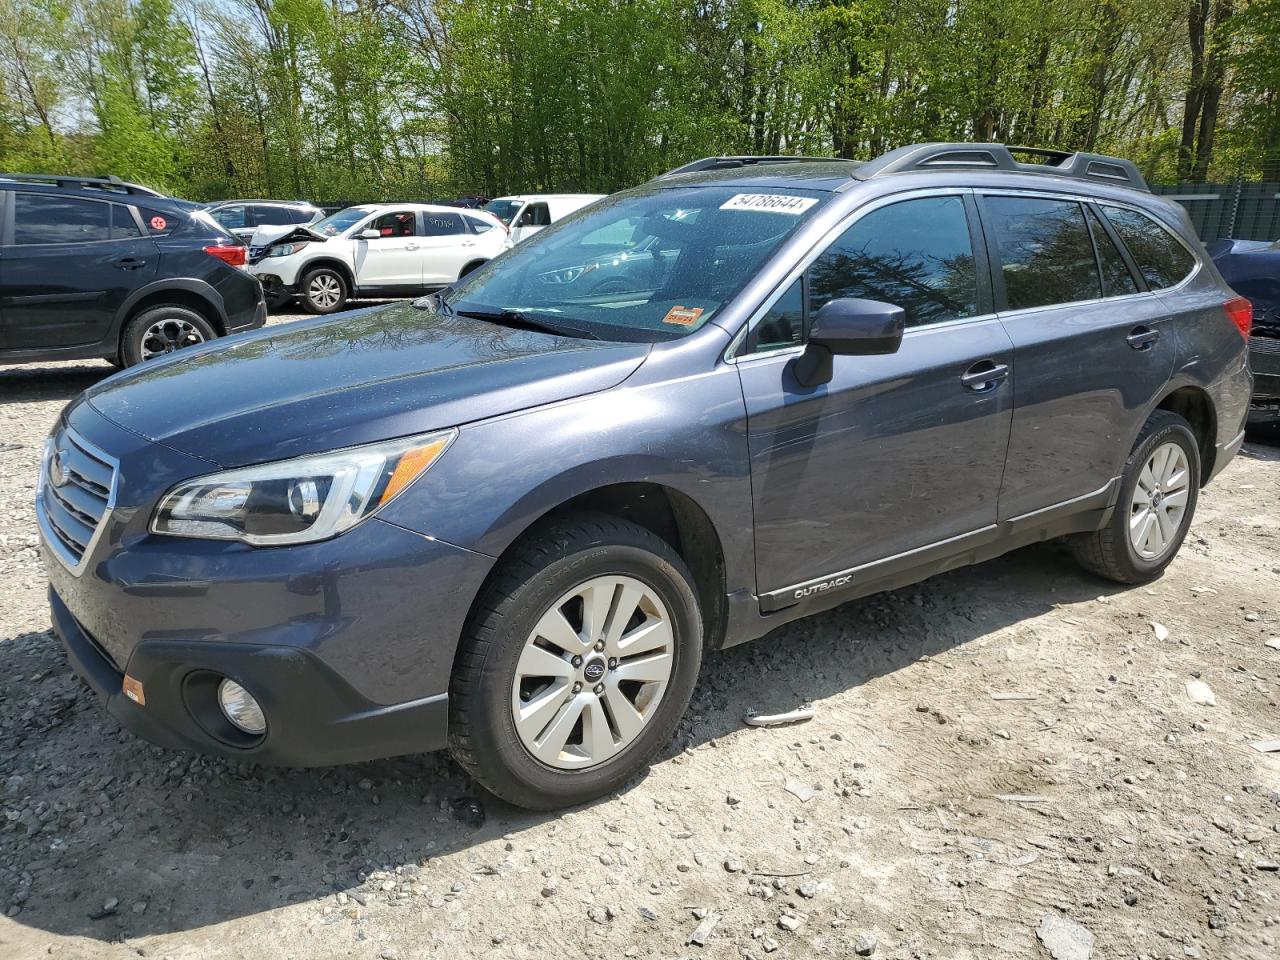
(501, 475)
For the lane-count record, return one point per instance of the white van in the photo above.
(526, 214)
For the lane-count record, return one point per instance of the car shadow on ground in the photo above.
(183, 842)
(35, 383)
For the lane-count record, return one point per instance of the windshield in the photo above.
(641, 267)
(336, 223)
(504, 210)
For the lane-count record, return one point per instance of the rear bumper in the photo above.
(314, 718)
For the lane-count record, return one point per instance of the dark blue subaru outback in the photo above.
(512, 518)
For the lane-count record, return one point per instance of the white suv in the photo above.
(526, 214)
(374, 250)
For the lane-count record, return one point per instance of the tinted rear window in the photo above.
(123, 226)
(49, 218)
(1045, 252)
(159, 223)
(442, 224)
(1164, 261)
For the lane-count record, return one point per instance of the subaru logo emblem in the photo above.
(593, 671)
(58, 472)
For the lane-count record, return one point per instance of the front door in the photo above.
(394, 258)
(1092, 350)
(897, 453)
(67, 268)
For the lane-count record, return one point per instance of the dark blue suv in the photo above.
(512, 518)
(96, 267)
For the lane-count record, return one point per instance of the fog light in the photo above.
(240, 708)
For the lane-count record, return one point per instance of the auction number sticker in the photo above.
(769, 203)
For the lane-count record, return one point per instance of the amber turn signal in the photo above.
(132, 689)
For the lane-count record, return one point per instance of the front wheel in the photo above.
(577, 664)
(1159, 489)
(324, 290)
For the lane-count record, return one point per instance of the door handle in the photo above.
(468, 243)
(1142, 337)
(130, 263)
(411, 246)
(984, 375)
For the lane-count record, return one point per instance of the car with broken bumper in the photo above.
(512, 519)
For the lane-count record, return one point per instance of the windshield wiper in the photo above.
(514, 318)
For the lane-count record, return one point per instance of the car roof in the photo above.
(279, 203)
(973, 164)
(151, 201)
(526, 197)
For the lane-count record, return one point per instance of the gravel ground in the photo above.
(1004, 762)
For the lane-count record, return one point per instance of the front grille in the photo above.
(76, 492)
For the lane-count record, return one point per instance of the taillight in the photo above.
(232, 254)
(1240, 312)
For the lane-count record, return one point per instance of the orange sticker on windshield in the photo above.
(683, 316)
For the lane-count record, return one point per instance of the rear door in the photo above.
(1092, 347)
(446, 245)
(67, 266)
(392, 259)
(897, 454)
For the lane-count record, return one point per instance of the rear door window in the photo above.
(1164, 261)
(442, 224)
(265, 215)
(1116, 278)
(234, 217)
(1044, 251)
(123, 226)
(917, 254)
(49, 218)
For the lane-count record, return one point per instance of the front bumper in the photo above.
(349, 642)
(314, 717)
(274, 288)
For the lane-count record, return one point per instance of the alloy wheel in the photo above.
(592, 672)
(166, 336)
(1159, 501)
(324, 291)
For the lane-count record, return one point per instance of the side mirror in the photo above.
(369, 235)
(848, 327)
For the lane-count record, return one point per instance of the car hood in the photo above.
(286, 234)
(349, 379)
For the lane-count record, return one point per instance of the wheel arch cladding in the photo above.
(669, 514)
(327, 262)
(1195, 406)
(179, 297)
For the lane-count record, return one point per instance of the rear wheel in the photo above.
(159, 331)
(324, 290)
(1159, 489)
(577, 665)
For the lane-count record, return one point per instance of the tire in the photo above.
(161, 330)
(605, 558)
(1112, 552)
(323, 290)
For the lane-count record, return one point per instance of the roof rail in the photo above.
(997, 156)
(727, 163)
(94, 183)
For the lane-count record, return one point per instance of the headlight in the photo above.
(565, 276)
(298, 501)
(287, 249)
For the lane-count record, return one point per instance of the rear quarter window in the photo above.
(1161, 257)
(158, 222)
